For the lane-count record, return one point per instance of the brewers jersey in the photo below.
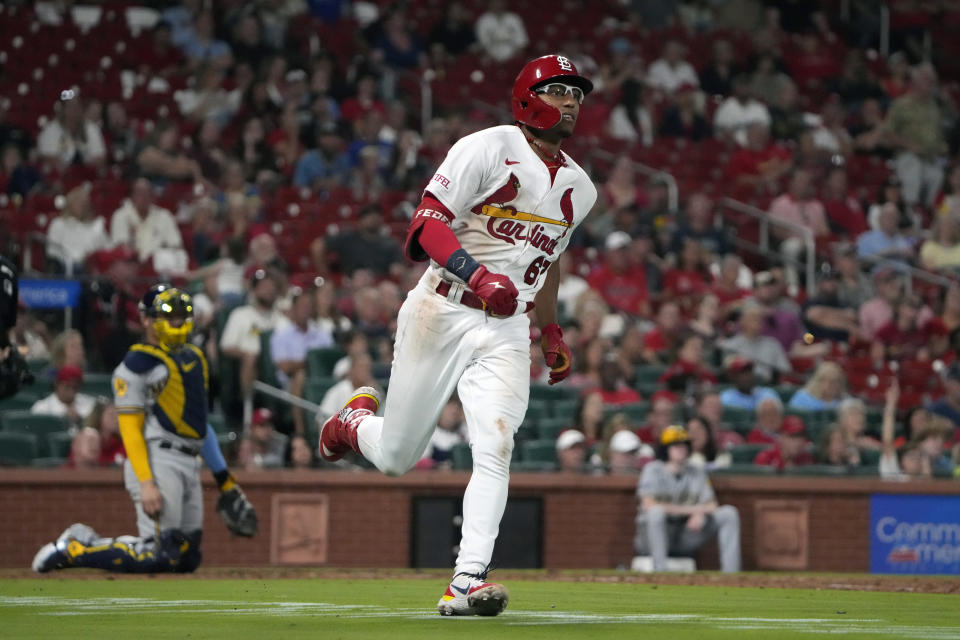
(169, 387)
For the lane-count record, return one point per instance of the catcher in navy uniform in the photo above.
(160, 390)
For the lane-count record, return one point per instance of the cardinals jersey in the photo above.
(506, 211)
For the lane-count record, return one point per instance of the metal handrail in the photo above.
(285, 396)
(765, 221)
(673, 192)
(908, 269)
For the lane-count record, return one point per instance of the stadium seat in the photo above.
(59, 443)
(565, 409)
(544, 451)
(870, 457)
(740, 420)
(537, 409)
(648, 373)
(746, 469)
(317, 387)
(527, 431)
(550, 428)
(17, 449)
(97, 384)
(546, 392)
(22, 401)
(34, 424)
(746, 453)
(320, 362)
(461, 456)
(218, 421)
(635, 411)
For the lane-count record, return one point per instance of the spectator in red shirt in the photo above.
(844, 213)
(905, 338)
(687, 374)
(813, 63)
(687, 282)
(103, 418)
(622, 284)
(613, 388)
(727, 288)
(759, 165)
(363, 102)
(790, 449)
(661, 341)
(662, 406)
(160, 57)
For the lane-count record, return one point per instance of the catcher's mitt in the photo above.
(237, 513)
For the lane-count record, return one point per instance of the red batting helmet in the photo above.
(527, 107)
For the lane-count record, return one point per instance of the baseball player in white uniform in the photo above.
(496, 215)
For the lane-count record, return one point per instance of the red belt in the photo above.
(470, 299)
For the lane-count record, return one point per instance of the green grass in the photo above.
(121, 608)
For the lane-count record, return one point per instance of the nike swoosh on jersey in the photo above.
(509, 162)
(189, 367)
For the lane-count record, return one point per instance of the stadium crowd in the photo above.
(268, 155)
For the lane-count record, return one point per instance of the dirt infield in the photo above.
(818, 581)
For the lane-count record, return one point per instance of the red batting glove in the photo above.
(497, 292)
(556, 353)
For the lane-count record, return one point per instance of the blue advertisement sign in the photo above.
(49, 294)
(914, 534)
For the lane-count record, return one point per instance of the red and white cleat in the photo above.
(339, 433)
(472, 595)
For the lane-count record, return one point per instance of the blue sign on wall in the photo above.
(49, 294)
(914, 534)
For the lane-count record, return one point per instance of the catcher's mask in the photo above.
(164, 305)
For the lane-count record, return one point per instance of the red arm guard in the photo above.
(429, 235)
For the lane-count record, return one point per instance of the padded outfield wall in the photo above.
(364, 519)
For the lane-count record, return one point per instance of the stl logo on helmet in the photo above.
(564, 63)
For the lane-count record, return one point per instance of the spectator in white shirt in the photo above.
(501, 33)
(66, 399)
(70, 138)
(671, 70)
(290, 343)
(360, 374)
(143, 226)
(735, 114)
(77, 231)
(241, 335)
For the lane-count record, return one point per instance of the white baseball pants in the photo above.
(442, 345)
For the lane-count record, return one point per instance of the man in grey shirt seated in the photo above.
(766, 353)
(678, 509)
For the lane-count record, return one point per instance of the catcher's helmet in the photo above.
(163, 303)
(527, 107)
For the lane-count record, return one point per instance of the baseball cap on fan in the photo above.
(569, 438)
(261, 416)
(617, 240)
(625, 441)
